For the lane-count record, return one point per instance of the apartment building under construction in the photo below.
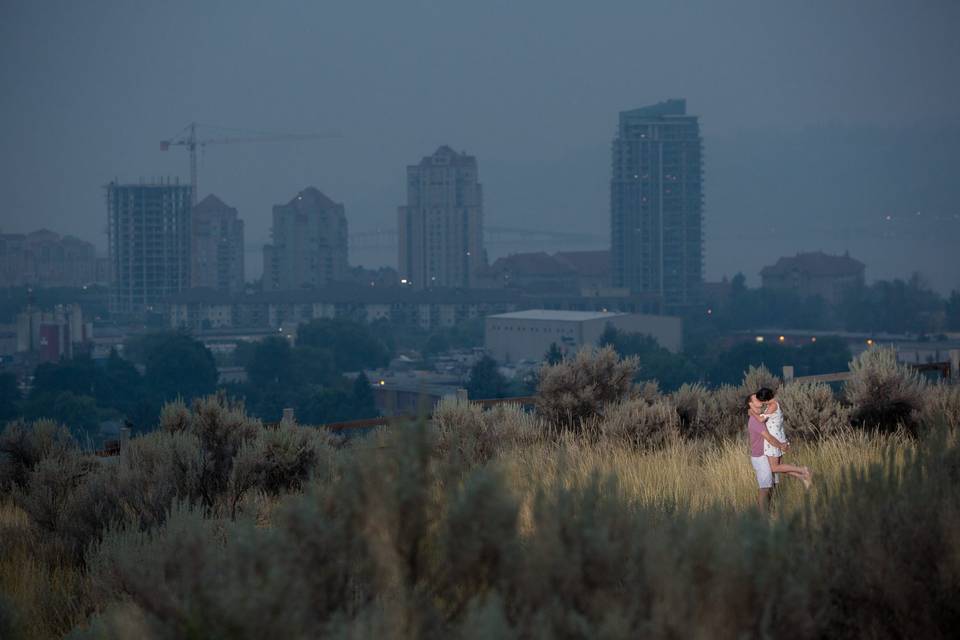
(148, 229)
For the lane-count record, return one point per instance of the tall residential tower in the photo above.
(148, 230)
(656, 203)
(309, 246)
(217, 246)
(441, 227)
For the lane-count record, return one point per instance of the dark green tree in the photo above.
(486, 381)
(179, 366)
(826, 355)
(669, 369)
(10, 398)
(363, 404)
(323, 405)
(79, 413)
(271, 362)
(352, 344)
(79, 376)
(120, 385)
(313, 366)
(953, 311)
(553, 355)
(438, 342)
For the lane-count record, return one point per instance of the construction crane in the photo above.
(188, 138)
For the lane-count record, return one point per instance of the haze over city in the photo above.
(826, 126)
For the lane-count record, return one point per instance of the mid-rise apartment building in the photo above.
(217, 246)
(43, 258)
(309, 247)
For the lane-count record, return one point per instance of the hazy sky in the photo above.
(820, 118)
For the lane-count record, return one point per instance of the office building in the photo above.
(216, 246)
(309, 248)
(148, 231)
(656, 203)
(527, 335)
(441, 226)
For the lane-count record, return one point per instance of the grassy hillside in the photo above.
(612, 512)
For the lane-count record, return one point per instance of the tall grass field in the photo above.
(612, 511)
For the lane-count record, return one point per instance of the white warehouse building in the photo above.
(527, 335)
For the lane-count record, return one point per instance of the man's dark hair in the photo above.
(764, 394)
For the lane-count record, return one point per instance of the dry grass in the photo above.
(710, 477)
(46, 592)
(695, 476)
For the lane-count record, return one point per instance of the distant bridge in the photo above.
(492, 236)
(530, 239)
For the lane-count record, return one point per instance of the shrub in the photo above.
(579, 388)
(275, 461)
(731, 411)
(221, 427)
(70, 500)
(648, 391)
(755, 378)
(697, 410)
(154, 470)
(396, 548)
(175, 417)
(641, 425)
(941, 406)
(883, 393)
(884, 531)
(811, 410)
(161, 571)
(474, 435)
(23, 445)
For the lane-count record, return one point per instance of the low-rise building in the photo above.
(52, 335)
(204, 309)
(528, 335)
(814, 274)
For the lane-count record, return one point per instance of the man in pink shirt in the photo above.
(761, 466)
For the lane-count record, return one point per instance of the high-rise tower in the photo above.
(441, 227)
(148, 230)
(656, 203)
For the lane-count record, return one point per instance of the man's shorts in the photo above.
(765, 478)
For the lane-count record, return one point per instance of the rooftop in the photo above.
(530, 264)
(444, 155)
(587, 263)
(672, 107)
(549, 314)
(311, 196)
(816, 263)
(211, 203)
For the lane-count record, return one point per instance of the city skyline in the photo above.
(821, 119)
